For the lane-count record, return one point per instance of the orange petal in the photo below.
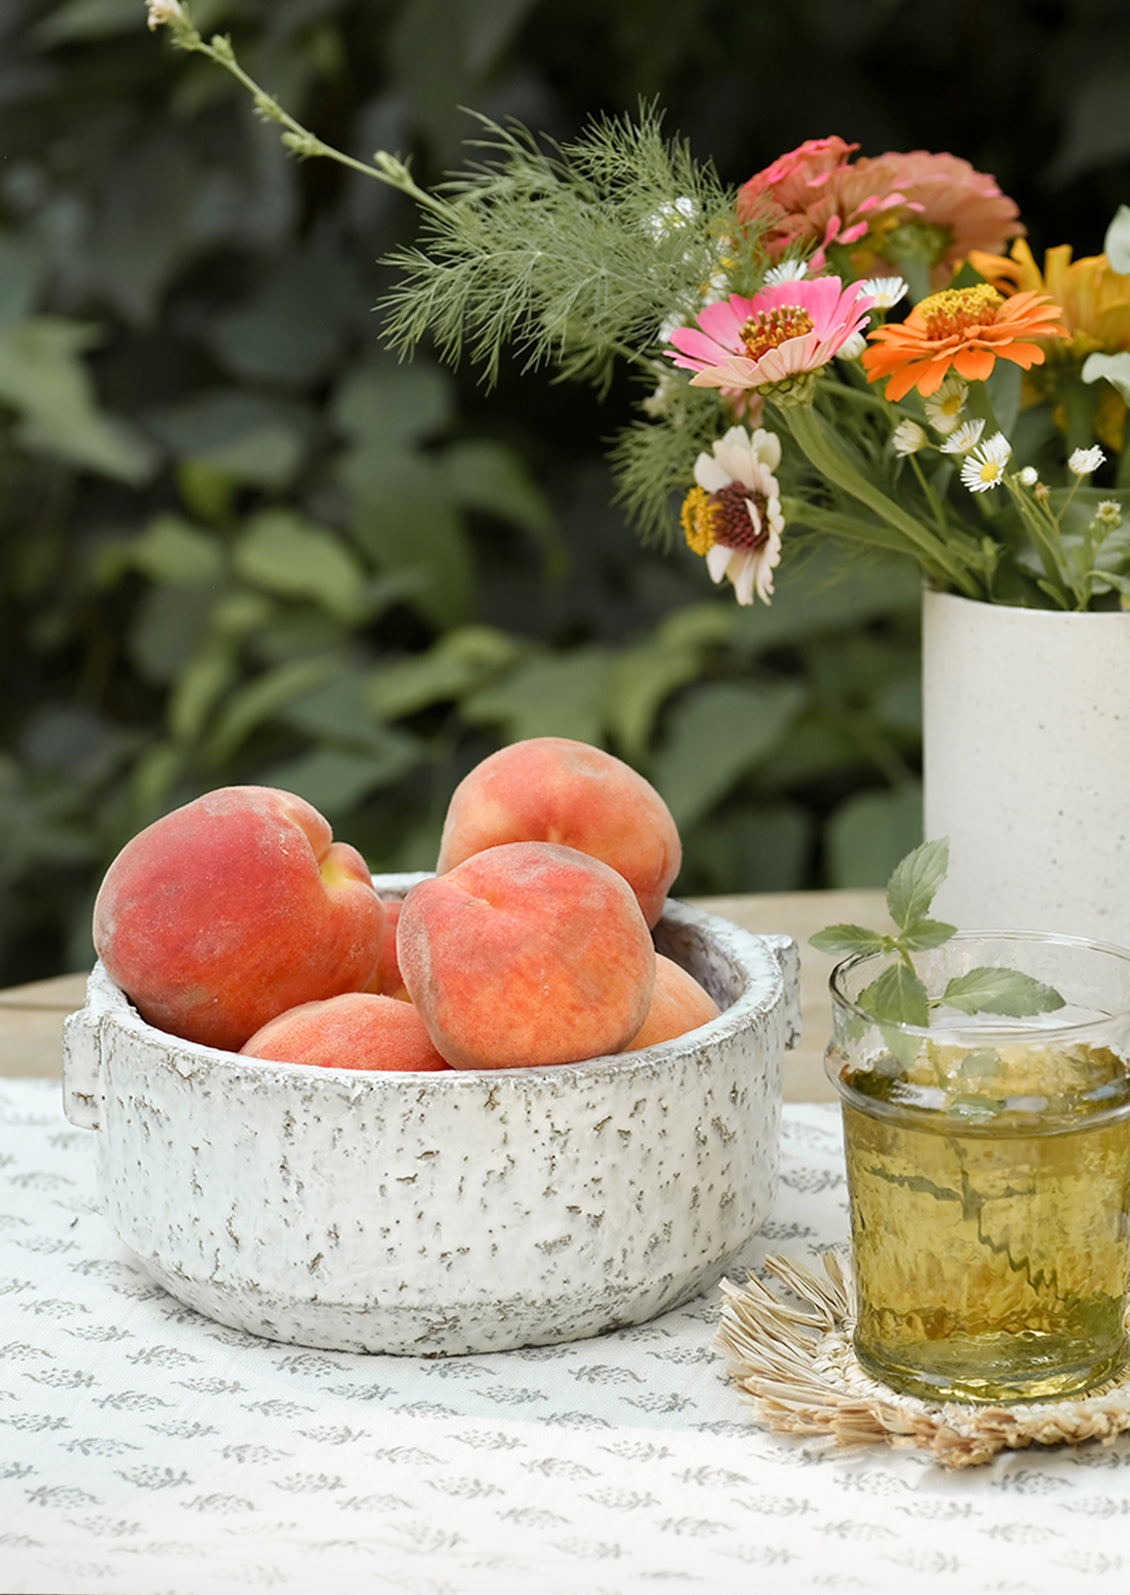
(925, 375)
(974, 364)
(1023, 354)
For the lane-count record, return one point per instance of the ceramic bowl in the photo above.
(453, 1212)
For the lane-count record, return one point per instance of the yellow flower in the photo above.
(1095, 301)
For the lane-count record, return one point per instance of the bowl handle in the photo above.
(82, 1069)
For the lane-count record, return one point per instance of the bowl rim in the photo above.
(764, 989)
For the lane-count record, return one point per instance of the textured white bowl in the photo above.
(444, 1213)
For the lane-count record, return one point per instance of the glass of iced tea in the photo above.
(988, 1167)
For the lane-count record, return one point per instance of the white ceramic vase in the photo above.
(1026, 747)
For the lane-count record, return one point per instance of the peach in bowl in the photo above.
(444, 1211)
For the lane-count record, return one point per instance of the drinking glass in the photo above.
(988, 1169)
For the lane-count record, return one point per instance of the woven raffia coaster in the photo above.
(794, 1364)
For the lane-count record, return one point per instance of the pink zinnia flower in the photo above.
(783, 333)
(947, 194)
(813, 196)
(817, 196)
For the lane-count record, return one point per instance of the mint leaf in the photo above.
(926, 933)
(1003, 991)
(980, 1066)
(849, 939)
(914, 881)
(974, 1110)
(897, 996)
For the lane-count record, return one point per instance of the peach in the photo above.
(552, 789)
(232, 909)
(527, 953)
(678, 1004)
(386, 978)
(357, 1030)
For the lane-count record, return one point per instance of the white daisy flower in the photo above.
(943, 408)
(885, 291)
(671, 214)
(852, 347)
(963, 438)
(983, 469)
(1029, 476)
(1109, 513)
(733, 514)
(908, 437)
(716, 287)
(161, 11)
(1081, 462)
(785, 271)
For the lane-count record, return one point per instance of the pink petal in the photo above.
(725, 318)
(736, 372)
(689, 341)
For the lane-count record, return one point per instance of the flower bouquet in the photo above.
(841, 348)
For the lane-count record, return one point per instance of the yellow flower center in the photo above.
(697, 517)
(953, 311)
(990, 471)
(770, 328)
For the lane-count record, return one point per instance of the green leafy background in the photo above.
(240, 543)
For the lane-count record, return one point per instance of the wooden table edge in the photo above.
(31, 1015)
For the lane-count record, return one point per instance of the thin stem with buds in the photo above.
(386, 168)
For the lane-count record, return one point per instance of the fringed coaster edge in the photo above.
(793, 1365)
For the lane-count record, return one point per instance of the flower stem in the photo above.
(929, 495)
(1044, 528)
(384, 167)
(830, 459)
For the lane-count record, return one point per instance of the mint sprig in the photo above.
(898, 996)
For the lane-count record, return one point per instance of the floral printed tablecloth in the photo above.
(145, 1450)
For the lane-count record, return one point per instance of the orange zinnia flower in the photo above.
(963, 329)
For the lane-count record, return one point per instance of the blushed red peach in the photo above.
(232, 909)
(552, 789)
(358, 1030)
(678, 1004)
(386, 978)
(528, 953)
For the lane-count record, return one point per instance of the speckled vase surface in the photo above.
(1026, 765)
(453, 1212)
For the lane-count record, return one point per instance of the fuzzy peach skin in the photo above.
(528, 953)
(678, 1004)
(358, 1030)
(386, 978)
(552, 789)
(232, 909)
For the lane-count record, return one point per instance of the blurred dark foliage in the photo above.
(240, 543)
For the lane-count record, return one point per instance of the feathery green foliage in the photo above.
(570, 256)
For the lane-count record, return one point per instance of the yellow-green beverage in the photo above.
(988, 1166)
(990, 1261)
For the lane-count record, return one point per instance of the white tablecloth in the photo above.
(147, 1451)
